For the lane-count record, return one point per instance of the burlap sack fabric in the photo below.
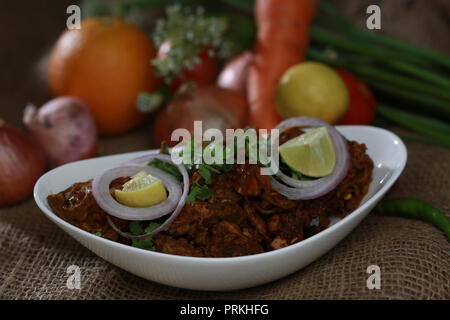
(413, 256)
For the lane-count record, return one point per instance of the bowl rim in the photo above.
(396, 172)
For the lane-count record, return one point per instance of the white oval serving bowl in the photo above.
(221, 274)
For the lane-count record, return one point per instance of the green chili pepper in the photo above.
(415, 209)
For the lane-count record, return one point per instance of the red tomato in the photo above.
(362, 107)
(203, 73)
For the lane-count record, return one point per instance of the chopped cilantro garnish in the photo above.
(151, 226)
(167, 167)
(145, 243)
(202, 192)
(138, 228)
(300, 176)
(199, 192)
(296, 175)
(205, 173)
(293, 173)
(210, 168)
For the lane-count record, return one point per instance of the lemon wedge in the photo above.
(143, 190)
(311, 153)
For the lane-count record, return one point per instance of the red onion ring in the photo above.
(100, 190)
(307, 190)
(162, 227)
(167, 179)
(143, 160)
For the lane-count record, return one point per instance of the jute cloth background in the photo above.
(413, 256)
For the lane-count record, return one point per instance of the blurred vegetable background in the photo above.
(388, 81)
(160, 64)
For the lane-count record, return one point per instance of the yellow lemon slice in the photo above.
(143, 190)
(311, 153)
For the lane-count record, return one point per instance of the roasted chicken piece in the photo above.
(278, 200)
(77, 206)
(248, 181)
(180, 246)
(255, 219)
(227, 240)
(202, 215)
(285, 228)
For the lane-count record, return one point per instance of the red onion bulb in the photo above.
(21, 163)
(64, 128)
(234, 74)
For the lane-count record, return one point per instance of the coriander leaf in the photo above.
(192, 196)
(167, 167)
(204, 193)
(205, 173)
(145, 243)
(296, 175)
(152, 226)
(299, 176)
(199, 192)
(136, 228)
(211, 168)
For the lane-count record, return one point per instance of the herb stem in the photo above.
(437, 130)
(405, 49)
(384, 57)
(400, 80)
(429, 104)
(415, 91)
(424, 140)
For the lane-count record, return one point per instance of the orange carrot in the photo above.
(282, 41)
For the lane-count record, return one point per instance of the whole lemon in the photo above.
(312, 89)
